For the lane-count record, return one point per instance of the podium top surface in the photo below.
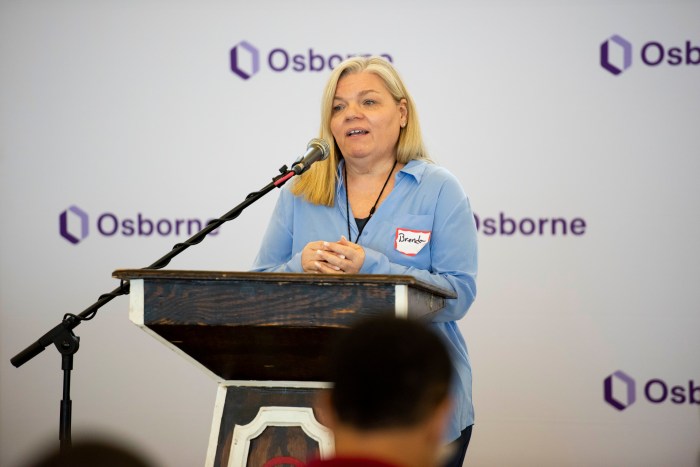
(146, 274)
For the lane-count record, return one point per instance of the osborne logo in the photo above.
(626, 396)
(247, 60)
(620, 391)
(74, 225)
(607, 51)
(616, 54)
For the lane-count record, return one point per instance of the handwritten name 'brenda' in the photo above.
(404, 238)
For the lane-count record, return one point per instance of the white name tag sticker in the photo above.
(410, 242)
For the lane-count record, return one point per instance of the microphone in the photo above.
(317, 150)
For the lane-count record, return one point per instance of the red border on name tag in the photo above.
(396, 240)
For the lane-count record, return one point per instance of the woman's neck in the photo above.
(366, 191)
(368, 170)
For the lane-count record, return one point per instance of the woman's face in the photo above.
(365, 119)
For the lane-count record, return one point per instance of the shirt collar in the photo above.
(414, 168)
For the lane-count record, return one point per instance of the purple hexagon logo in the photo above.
(245, 60)
(625, 385)
(610, 58)
(73, 224)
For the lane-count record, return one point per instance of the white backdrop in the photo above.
(131, 108)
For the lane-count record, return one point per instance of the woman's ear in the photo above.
(403, 111)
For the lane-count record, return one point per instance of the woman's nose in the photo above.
(353, 112)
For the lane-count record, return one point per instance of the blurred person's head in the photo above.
(390, 395)
(92, 452)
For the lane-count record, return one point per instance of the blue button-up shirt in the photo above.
(424, 228)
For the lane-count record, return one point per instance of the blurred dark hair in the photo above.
(388, 373)
(92, 453)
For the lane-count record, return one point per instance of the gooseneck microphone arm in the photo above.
(67, 343)
(70, 321)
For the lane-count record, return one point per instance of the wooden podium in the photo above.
(264, 337)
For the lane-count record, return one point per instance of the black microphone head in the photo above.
(321, 144)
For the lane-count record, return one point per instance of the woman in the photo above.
(377, 205)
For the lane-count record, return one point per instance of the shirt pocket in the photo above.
(410, 240)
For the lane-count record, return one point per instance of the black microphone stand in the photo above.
(67, 343)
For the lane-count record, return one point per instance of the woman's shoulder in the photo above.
(430, 173)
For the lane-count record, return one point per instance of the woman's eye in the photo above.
(370, 102)
(337, 107)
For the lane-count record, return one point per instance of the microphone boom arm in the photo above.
(67, 343)
(70, 321)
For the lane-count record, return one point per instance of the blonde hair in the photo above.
(318, 184)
